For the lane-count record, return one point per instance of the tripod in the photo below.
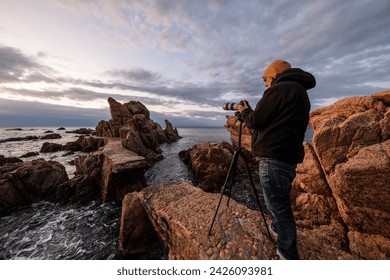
(231, 176)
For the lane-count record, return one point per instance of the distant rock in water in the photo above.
(17, 139)
(51, 136)
(30, 138)
(29, 154)
(87, 131)
(4, 160)
(61, 128)
(83, 144)
(131, 122)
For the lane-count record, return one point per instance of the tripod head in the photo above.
(238, 116)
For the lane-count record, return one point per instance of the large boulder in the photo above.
(210, 164)
(28, 182)
(180, 216)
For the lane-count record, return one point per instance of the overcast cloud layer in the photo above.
(61, 60)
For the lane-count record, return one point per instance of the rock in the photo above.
(4, 160)
(48, 131)
(137, 236)
(83, 144)
(81, 131)
(352, 145)
(78, 190)
(18, 139)
(115, 171)
(28, 182)
(134, 141)
(50, 147)
(210, 164)
(181, 215)
(61, 128)
(131, 122)
(170, 132)
(316, 214)
(30, 154)
(122, 172)
(51, 136)
(103, 129)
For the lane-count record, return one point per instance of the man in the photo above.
(279, 122)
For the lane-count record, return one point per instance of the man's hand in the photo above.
(241, 108)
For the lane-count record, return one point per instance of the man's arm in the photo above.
(264, 112)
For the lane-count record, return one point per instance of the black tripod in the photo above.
(231, 176)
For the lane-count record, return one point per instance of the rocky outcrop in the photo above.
(210, 164)
(180, 216)
(112, 171)
(352, 143)
(28, 182)
(131, 122)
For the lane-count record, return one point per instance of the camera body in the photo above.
(232, 106)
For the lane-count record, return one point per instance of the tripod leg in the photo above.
(233, 175)
(230, 174)
(255, 193)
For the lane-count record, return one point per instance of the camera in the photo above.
(232, 106)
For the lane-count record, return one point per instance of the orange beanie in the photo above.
(275, 68)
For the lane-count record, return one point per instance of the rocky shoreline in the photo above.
(340, 195)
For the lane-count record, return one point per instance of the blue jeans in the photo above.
(275, 178)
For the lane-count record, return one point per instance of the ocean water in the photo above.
(50, 231)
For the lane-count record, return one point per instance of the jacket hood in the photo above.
(297, 75)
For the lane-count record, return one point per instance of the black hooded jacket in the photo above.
(281, 117)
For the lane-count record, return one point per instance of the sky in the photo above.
(61, 59)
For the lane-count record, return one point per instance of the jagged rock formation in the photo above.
(131, 122)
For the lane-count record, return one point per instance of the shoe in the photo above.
(272, 231)
(279, 254)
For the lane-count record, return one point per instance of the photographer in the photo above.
(279, 122)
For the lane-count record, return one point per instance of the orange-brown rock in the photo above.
(351, 141)
(180, 215)
(210, 164)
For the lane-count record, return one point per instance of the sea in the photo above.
(49, 231)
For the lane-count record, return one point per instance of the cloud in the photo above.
(221, 47)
